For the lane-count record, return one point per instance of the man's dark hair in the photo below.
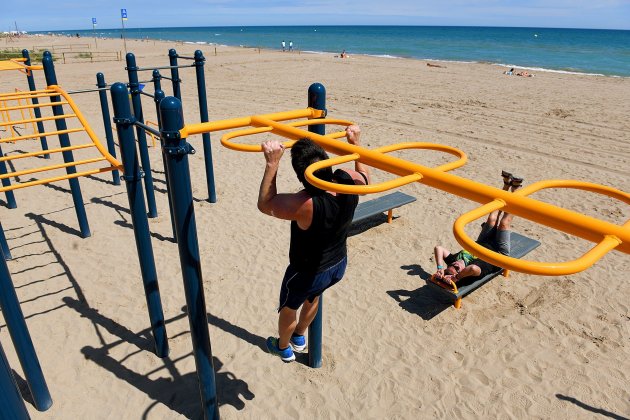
(304, 153)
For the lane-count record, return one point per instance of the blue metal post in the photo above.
(317, 100)
(4, 245)
(203, 114)
(35, 101)
(176, 151)
(158, 96)
(7, 182)
(64, 141)
(133, 180)
(11, 402)
(22, 342)
(107, 122)
(134, 88)
(172, 59)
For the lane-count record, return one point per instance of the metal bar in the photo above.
(136, 102)
(39, 119)
(6, 183)
(203, 116)
(147, 128)
(12, 108)
(162, 67)
(11, 403)
(57, 178)
(172, 58)
(64, 141)
(52, 167)
(31, 154)
(5, 251)
(109, 135)
(48, 133)
(22, 342)
(176, 151)
(72, 92)
(159, 95)
(133, 181)
(147, 94)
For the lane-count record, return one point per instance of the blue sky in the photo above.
(38, 15)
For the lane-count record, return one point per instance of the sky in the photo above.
(43, 15)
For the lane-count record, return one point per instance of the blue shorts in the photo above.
(298, 287)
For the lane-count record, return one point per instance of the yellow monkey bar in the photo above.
(606, 235)
(52, 92)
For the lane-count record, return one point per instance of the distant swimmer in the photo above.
(435, 65)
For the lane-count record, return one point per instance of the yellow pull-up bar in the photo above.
(606, 235)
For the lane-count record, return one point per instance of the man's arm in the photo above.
(361, 173)
(298, 207)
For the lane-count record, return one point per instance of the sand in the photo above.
(524, 347)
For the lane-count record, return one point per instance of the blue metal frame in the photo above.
(203, 115)
(64, 140)
(133, 180)
(107, 122)
(11, 403)
(317, 100)
(176, 151)
(35, 101)
(134, 90)
(172, 59)
(6, 182)
(4, 245)
(22, 342)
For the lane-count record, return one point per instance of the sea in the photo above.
(587, 51)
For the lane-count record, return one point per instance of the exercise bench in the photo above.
(519, 247)
(386, 203)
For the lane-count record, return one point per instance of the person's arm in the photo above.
(440, 253)
(298, 207)
(361, 173)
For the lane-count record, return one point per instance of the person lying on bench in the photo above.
(495, 235)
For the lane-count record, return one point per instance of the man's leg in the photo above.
(286, 325)
(307, 315)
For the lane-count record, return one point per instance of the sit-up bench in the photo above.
(386, 203)
(519, 247)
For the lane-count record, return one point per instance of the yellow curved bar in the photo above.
(431, 146)
(607, 244)
(112, 160)
(258, 130)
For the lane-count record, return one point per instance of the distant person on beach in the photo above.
(524, 74)
(509, 72)
(343, 54)
(290, 45)
(283, 46)
(320, 221)
(434, 65)
(495, 235)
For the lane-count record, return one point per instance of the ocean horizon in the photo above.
(602, 52)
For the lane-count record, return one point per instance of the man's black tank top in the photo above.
(323, 244)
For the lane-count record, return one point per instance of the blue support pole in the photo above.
(176, 151)
(133, 180)
(6, 182)
(4, 245)
(35, 101)
(134, 88)
(172, 59)
(317, 100)
(22, 342)
(11, 402)
(158, 96)
(203, 114)
(64, 141)
(107, 124)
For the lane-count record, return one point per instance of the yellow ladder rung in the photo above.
(32, 120)
(11, 108)
(32, 92)
(22, 95)
(47, 133)
(46, 152)
(51, 168)
(58, 178)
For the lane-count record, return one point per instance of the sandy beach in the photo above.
(521, 347)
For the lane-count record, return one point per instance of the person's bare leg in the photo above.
(506, 219)
(307, 315)
(286, 325)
